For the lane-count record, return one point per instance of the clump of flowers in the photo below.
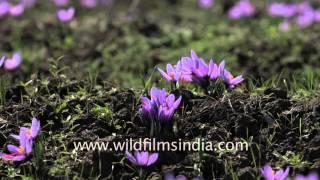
(302, 14)
(26, 137)
(11, 63)
(269, 174)
(195, 70)
(243, 8)
(143, 158)
(160, 107)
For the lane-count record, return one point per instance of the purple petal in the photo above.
(14, 62)
(17, 10)
(142, 157)
(4, 8)
(35, 127)
(10, 157)
(237, 80)
(282, 175)
(177, 102)
(3, 58)
(267, 172)
(165, 75)
(131, 158)
(152, 158)
(12, 148)
(18, 158)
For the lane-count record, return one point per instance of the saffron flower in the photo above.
(311, 176)
(61, 3)
(243, 8)
(89, 3)
(173, 72)
(205, 4)
(4, 8)
(32, 132)
(160, 107)
(269, 174)
(142, 158)
(66, 15)
(13, 62)
(18, 153)
(16, 10)
(230, 80)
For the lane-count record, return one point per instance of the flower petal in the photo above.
(12, 148)
(131, 158)
(35, 127)
(152, 158)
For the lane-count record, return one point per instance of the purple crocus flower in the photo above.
(205, 4)
(243, 8)
(61, 3)
(214, 71)
(194, 69)
(89, 3)
(311, 176)
(66, 15)
(32, 132)
(143, 158)
(160, 107)
(16, 10)
(230, 80)
(4, 8)
(173, 72)
(269, 174)
(284, 26)
(18, 153)
(282, 9)
(13, 62)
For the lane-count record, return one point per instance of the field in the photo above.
(88, 80)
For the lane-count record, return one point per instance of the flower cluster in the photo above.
(243, 8)
(11, 63)
(160, 107)
(26, 138)
(302, 14)
(194, 69)
(269, 174)
(64, 15)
